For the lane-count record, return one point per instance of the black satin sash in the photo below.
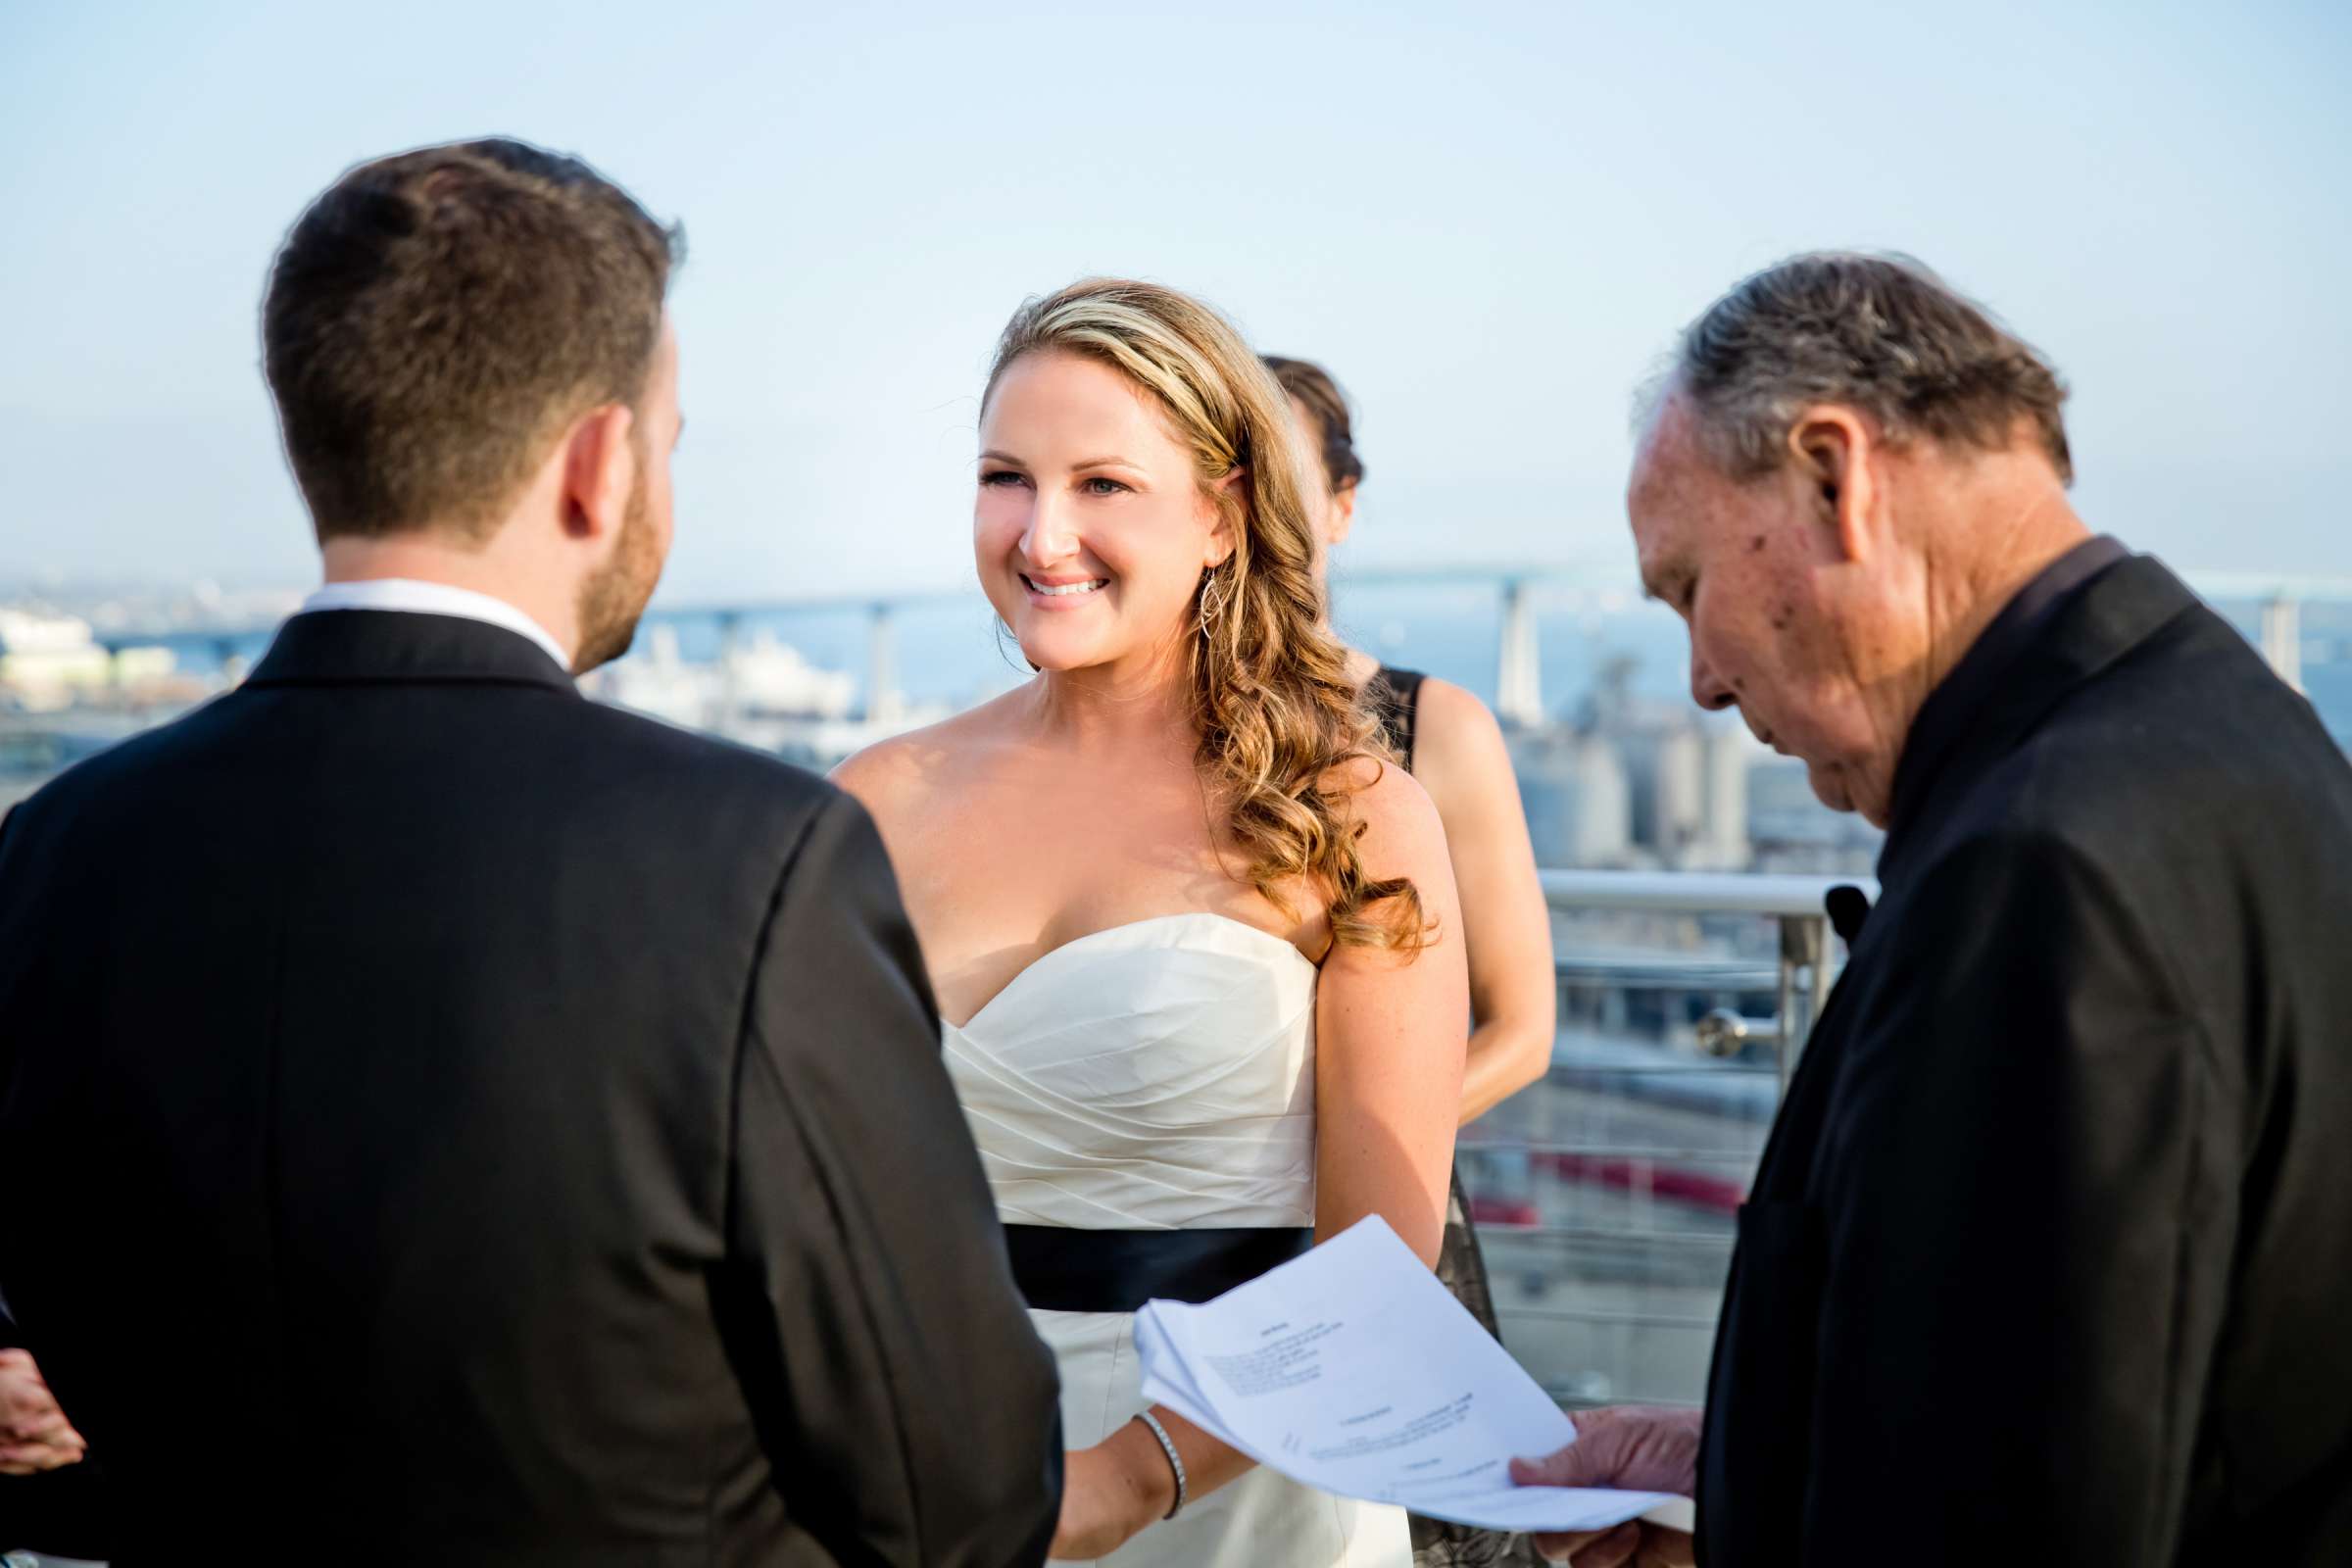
(1063, 1269)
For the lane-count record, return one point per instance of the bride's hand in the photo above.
(1109, 1493)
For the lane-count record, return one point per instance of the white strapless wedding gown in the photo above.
(1161, 1076)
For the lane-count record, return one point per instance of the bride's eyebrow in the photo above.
(994, 456)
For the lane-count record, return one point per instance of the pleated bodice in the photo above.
(1154, 1075)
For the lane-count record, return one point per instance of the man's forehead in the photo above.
(1664, 445)
(1659, 495)
(1657, 472)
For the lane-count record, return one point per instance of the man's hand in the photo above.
(1634, 1449)
(34, 1434)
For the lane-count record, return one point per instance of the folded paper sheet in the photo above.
(1353, 1369)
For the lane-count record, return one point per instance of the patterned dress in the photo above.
(1395, 695)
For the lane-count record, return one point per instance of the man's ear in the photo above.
(1831, 447)
(600, 470)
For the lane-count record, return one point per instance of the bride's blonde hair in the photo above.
(1283, 730)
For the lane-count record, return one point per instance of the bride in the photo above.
(1194, 942)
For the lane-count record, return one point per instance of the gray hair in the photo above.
(1879, 334)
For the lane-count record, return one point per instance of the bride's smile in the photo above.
(1062, 589)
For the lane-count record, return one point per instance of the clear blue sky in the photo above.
(1486, 219)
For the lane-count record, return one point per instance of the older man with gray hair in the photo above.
(2049, 1257)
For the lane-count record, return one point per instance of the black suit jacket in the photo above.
(2049, 1257)
(455, 1121)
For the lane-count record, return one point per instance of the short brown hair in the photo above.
(437, 316)
(1879, 334)
(1316, 392)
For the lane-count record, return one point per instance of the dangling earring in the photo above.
(1214, 590)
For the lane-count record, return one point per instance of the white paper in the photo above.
(1352, 1369)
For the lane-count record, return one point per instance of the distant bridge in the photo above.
(1518, 682)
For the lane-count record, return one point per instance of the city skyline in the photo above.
(1489, 223)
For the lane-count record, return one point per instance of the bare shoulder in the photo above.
(1400, 827)
(1459, 755)
(1452, 716)
(899, 778)
(884, 775)
(1455, 729)
(1400, 838)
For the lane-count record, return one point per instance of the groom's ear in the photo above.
(599, 471)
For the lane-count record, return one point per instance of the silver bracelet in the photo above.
(1167, 1445)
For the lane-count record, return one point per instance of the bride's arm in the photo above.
(1388, 1033)
(1389, 1040)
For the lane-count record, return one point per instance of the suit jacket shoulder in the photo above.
(2181, 755)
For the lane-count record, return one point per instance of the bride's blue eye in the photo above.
(999, 477)
(1096, 485)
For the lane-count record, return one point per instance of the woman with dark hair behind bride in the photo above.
(1448, 741)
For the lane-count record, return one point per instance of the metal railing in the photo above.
(1608, 1193)
(1798, 903)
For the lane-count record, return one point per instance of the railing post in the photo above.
(1519, 679)
(2282, 638)
(1804, 945)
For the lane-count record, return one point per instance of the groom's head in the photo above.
(469, 351)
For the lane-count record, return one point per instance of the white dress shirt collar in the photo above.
(434, 599)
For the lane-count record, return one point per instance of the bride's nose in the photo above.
(1049, 538)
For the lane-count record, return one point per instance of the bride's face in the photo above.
(1091, 529)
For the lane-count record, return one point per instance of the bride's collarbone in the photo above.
(1049, 851)
(1076, 789)
(1018, 860)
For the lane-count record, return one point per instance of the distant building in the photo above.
(1685, 772)
(761, 692)
(48, 661)
(1574, 788)
(764, 679)
(1697, 775)
(45, 659)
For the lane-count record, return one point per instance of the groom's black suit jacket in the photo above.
(450, 1121)
(2049, 1258)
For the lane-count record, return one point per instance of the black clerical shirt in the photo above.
(1953, 706)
